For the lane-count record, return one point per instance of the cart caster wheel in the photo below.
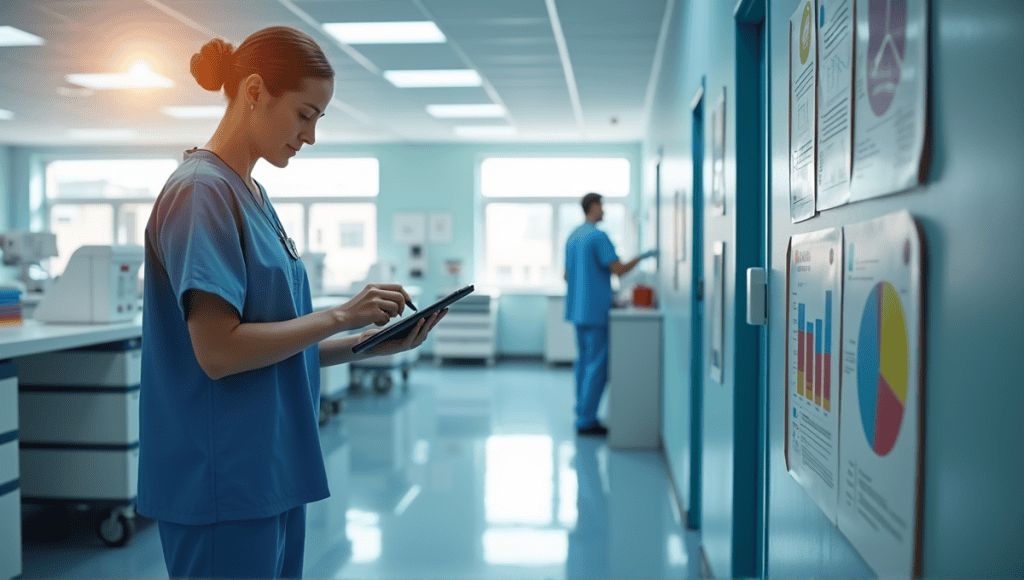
(382, 383)
(115, 529)
(405, 375)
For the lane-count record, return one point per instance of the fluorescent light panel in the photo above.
(6, 115)
(11, 36)
(139, 76)
(466, 111)
(485, 131)
(102, 134)
(203, 112)
(433, 78)
(385, 32)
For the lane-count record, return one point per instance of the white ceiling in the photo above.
(611, 47)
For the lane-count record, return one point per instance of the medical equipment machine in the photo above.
(99, 285)
(25, 249)
(79, 431)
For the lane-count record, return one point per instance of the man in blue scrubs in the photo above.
(590, 260)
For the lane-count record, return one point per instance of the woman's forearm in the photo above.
(254, 345)
(335, 351)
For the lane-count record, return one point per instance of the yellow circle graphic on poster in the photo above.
(806, 22)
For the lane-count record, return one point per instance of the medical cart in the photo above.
(79, 431)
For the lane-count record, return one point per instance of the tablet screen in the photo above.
(402, 328)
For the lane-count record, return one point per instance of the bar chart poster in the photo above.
(880, 432)
(890, 97)
(812, 382)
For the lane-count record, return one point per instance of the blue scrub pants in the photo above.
(265, 548)
(591, 371)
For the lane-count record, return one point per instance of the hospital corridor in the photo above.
(511, 289)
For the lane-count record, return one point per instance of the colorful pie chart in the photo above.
(883, 366)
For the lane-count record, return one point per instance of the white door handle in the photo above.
(757, 291)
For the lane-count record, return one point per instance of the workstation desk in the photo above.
(32, 339)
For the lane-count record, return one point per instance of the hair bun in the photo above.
(212, 64)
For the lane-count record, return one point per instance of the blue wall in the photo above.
(970, 210)
(413, 177)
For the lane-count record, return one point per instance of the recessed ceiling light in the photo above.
(139, 76)
(11, 36)
(6, 115)
(102, 134)
(485, 131)
(385, 32)
(201, 112)
(433, 78)
(465, 111)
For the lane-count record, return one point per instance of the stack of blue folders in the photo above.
(10, 307)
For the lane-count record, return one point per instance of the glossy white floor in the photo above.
(473, 472)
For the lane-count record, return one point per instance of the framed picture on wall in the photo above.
(679, 233)
(717, 319)
(718, 156)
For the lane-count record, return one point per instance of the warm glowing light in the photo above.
(140, 75)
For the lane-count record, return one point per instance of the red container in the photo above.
(643, 296)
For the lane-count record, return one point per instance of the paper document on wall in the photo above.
(815, 267)
(835, 101)
(802, 111)
(880, 432)
(890, 96)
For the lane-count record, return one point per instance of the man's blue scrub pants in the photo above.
(591, 371)
(265, 548)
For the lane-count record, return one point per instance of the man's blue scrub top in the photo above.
(246, 446)
(588, 253)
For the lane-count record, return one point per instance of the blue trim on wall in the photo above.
(693, 514)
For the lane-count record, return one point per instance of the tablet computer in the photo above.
(402, 328)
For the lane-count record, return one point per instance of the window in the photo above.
(101, 202)
(531, 205)
(109, 201)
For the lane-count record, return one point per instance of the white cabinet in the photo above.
(560, 334)
(634, 378)
(469, 330)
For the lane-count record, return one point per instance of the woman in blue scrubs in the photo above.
(232, 349)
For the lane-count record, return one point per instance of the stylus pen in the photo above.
(414, 309)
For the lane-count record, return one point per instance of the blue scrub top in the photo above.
(246, 446)
(588, 254)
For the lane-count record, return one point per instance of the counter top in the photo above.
(631, 312)
(34, 337)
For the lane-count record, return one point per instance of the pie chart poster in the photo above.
(879, 431)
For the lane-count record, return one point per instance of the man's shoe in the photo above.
(598, 430)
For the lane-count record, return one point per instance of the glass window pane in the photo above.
(321, 177)
(131, 227)
(518, 250)
(78, 225)
(570, 217)
(292, 220)
(554, 176)
(347, 234)
(113, 178)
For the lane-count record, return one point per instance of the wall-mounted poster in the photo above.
(409, 227)
(718, 157)
(814, 282)
(880, 436)
(835, 101)
(717, 319)
(890, 97)
(803, 73)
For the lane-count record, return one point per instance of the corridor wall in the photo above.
(970, 209)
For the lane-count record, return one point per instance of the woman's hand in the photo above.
(376, 304)
(415, 337)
